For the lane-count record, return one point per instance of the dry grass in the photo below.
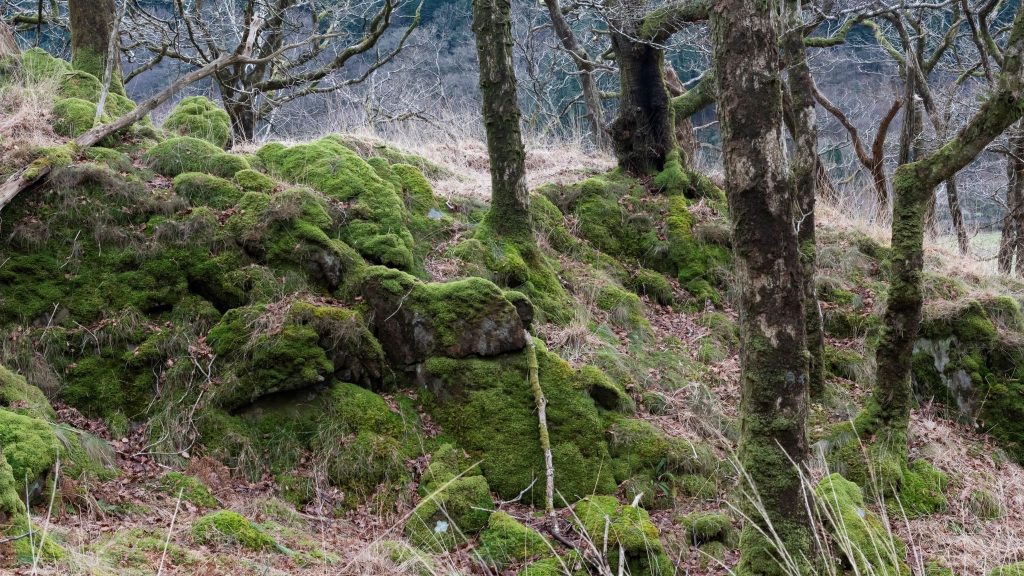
(26, 122)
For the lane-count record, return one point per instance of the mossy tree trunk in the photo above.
(804, 167)
(686, 139)
(887, 415)
(643, 134)
(773, 359)
(510, 200)
(92, 23)
(1011, 240)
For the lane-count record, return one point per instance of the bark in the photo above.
(800, 86)
(642, 134)
(585, 66)
(1011, 240)
(888, 413)
(92, 24)
(773, 360)
(686, 140)
(510, 200)
(241, 108)
(953, 198)
(39, 171)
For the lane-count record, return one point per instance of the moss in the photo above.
(571, 564)
(11, 503)
(73, 117)
(1008, 570)
(37, 65)
(624, 309)
(17, 395)
(844, 362)
(295, 489)
(34, 549)
(865, 542)
(253, 181)
(206, 190)
(629, 530)
(114, 159)
(922, 492)
(607, 393)
(985, 505)
(653, 285)
(702, 527)
(457, 509)
(187, 154)
(136, 549)
(506, 541)
(483, 404)
(29, 446)
(379, 229)
(637, 446)
(231, 528)
(199, 117)
(189, 488)
(418, 195)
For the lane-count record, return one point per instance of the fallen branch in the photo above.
(545, 440)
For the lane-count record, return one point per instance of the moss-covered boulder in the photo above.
(922, 492)
(378, 228)
(452, 512)
(187, 154)
(205, 190)
(506, 541)
(30, 447)
(970, 357)
(281, 348)
(226, 527)
(200, 117)
(415, 321)
(253, 181)
(863, 540)
(630, 533)
(703, 527)
(17, 395)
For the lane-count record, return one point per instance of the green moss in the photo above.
(922, 492)
(17, 395)
(29, 446)
(231, 528)
(114, 159)
(199, 117)
(702, 527)
(187, 154)
(136, 549)
(571, 564)
(34, 549)
(1008, 570)
(844, 362)
(506, 541)
(864, 541)
(253, 181)
(37, 65)
(624, 308)
(484, 405)
(73, 117)
(189, 488)
(653, 285)
(206, 190)
(452, 512)
(416, 190)
(985, 505)
(11, 503)
(607, 393)
(637, 446)
(379, 229)
(629, 530)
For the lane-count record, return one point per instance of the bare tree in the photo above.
(328, 35)
(94, 26)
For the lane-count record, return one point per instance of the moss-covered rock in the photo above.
(866, 544)
(450, 514)
(231, 528)
(73, 117)
(30, 447)
(922, 492)
(200, 117)
(253, 181)
(629, 530)
(703, 527)
(205, 190)
(506, 541)
(379, 226)
(187, 154)
(17, 395)
(415, 321)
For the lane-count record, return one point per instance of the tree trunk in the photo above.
(92, 23)
(241, 108)
(887, 416)
(773, 361)
(643, 134)
(510, 200)
(957, 215)
(805, 178)
(1011, 241)
(686, 140)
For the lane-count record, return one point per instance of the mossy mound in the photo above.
(231, 528)
(619, 217)
(379, 221)
(187, 154)
(922, 492)
(253, 181)
(189, 488)
(703, 527)
(205, 190)
(866, 544)
(506, 541)
(37, 64)
(200, 117)
(30, 447)
(298, 345)
(453, 510)
(630, 533)
(17, 395)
